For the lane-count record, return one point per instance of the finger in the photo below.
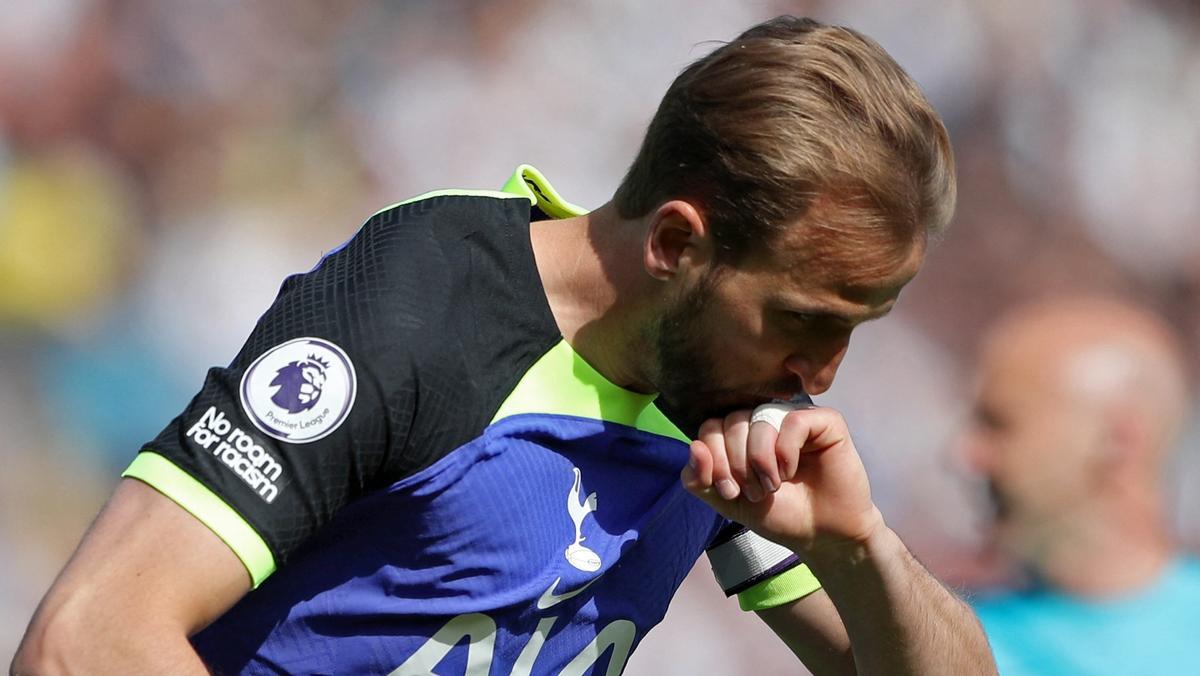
(793, 433)
(827, 428)
(761, 455)
(808, 430)
(697, 474)
(783, 447)
(712, 433)
(737, 433)
(697, 478)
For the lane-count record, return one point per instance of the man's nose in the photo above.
(817, 372)
(971, 451)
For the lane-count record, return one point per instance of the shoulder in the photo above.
(1183, 583)
(409, 267)
(419, 236)
(1189, 567)
(446, 216)
(1023, 630)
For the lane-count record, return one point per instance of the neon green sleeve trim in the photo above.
(167, 478)
(788, 586)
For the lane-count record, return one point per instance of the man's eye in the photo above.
(816, 323)
(989, 420)
(802, 317)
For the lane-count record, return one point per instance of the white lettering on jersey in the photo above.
(619, 635)
(524, 664)
(237, 451)
(480, 630)
(477, 627)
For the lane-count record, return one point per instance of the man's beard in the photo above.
(686, 365)
(685, 368)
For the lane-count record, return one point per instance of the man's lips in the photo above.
(997, 501)
(750, 402)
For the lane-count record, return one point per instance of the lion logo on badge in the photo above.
(300, 384)
(299, 391)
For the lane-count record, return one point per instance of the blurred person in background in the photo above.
(1080, 400)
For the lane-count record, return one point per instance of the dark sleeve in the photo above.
(318, 406)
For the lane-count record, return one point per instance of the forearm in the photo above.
(63, 641)
(899, 618)
(813, 631)
(146, 576)
(151, 655)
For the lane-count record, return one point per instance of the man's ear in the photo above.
(677, 237)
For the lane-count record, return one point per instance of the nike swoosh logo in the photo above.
(549, 599)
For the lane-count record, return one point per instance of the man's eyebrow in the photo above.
(836, 315)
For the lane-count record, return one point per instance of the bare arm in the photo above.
(146, 576)
(804, 487)
(813, 630)
(899, 618)
(881, 612)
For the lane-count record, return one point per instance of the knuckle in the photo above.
(717, 453)
(792, 423)
(711, 426)
(737, 418)
(836, 418)
(833, 413)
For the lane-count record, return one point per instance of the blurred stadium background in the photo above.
(163, 165)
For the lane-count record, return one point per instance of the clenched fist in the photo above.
(802, 485)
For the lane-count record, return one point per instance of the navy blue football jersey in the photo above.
(421, 476)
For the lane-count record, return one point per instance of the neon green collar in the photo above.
(561, 381)
(528, 182)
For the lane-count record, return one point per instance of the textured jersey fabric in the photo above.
(442, 483)
(1149, 632)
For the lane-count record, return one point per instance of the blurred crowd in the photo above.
(164, 165)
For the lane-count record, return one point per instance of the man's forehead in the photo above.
(866, 272)
(850, 248)
(1017, 366)
(1025, 366)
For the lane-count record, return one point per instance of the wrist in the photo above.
(835, 556)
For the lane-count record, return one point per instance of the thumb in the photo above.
(697, 476)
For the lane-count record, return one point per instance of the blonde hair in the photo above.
(789, 112)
